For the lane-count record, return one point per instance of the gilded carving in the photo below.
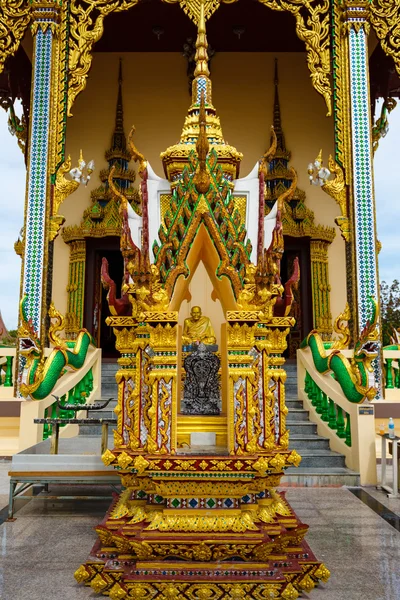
(341, 327)
(57, 326)
(192, 7)
(336, 188)
(240, 336)
(384, 16)
(86, 28)
(312, 27)
(14, 19)
(238, 523)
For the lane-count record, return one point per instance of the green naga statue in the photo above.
(354, 376)
(40, 374)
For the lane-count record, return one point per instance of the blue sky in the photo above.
(12, 193)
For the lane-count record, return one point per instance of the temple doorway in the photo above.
(302, 305)
(96, 305)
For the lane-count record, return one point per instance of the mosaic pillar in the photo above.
(41, 158)
(322, 318)
(364, 218)
(76, 287)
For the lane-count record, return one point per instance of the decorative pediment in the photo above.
(216, 211)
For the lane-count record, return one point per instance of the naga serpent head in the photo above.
(29, 343)
(28, 346)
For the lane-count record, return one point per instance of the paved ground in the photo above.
(40, 551)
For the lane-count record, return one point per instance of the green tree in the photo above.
(390, 309)
(10, 340)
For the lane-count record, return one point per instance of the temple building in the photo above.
(209, 260)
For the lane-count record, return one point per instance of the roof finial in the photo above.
(118, 139)
(277, 112)
(201, 57)
(120, 71)
(202, 178)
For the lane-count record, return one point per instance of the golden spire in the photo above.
(207, 125)
(201, 82)
(201, 57)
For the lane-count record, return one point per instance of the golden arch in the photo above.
(312, 27)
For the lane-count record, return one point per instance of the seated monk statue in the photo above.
(197, 329)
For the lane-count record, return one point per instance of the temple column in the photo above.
(355, 30)
(45, 152)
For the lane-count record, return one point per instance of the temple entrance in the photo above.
(96, 305)
(302, 305)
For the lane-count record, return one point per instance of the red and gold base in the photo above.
(202, 528)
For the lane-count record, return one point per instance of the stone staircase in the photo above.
(320, 466)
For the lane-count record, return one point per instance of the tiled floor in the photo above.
(40, 551)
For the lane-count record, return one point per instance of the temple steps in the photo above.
(320, 466)
(109, 389)
(301, 441)
(109, 386)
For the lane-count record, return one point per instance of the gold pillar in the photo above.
(256, 381)
(163, 383)
(147, 383)
(76, 287)
(322, 318)
(244, 416)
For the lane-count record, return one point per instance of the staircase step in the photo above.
(293, 404)
(301, 427)
(109, 391)
(291, 388)
(300, 442)
(320, 458)
(320, 477)
(108, 378)
(109, 368)
(298, 414)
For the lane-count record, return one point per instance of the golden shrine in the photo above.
(196, 523)
(132, 258)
